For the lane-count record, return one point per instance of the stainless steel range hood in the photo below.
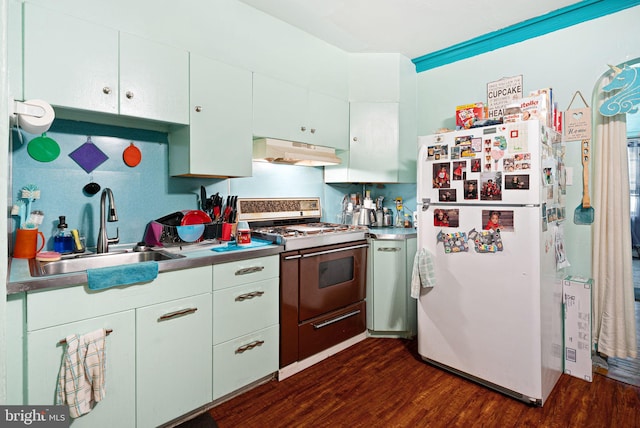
(292, 153)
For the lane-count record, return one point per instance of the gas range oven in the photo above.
(322, 274)
(295, 223)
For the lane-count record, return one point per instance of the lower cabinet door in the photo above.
(389, 285)
(173, 359)
(241, 361)
(44, 356)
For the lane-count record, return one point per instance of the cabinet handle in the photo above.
(303, 128)
(389, 249)
(198, 109)
(252, 269)
(335, 320)
(106, 90)
(176, 314)
(251, 295)
(313, 130)
(355, 138)
(129, 95)
(249, 346)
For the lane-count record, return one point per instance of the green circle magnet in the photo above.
(43, 149)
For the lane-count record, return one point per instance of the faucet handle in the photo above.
(116, 239)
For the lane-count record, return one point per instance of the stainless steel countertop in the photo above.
(20, 279)
(392, 233)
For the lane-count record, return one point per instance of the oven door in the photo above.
(331, 277)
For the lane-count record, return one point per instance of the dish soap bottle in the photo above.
(62, 242)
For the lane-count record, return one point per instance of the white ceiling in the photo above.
(411, 27)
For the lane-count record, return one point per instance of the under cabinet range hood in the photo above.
(293, 153)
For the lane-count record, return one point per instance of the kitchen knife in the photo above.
(203, 199)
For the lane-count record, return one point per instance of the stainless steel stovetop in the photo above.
(295, 223)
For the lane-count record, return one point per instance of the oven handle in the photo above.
(336, 250)
(335, 320)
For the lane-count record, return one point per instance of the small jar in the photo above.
(243, 233)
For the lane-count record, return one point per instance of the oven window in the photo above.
(336, 272)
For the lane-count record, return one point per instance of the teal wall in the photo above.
(568, 60)
(146, 192)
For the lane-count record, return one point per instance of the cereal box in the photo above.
(468, 114)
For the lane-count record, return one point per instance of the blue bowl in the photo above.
(190, 233)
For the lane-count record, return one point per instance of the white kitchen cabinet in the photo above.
(14, 350)
(383, 124)
(81, 65)
(173, 359)
(245, 323)
(220, 118)
(44, 356)
(390, 309)
(70, 62)
(378, 149)
(157, 370)
(154, 80)
(286, 111)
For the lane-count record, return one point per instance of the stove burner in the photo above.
(309, 235)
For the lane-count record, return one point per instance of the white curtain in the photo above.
(613, 320)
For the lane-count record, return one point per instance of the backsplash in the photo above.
(146, 192)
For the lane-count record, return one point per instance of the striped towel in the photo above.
(423, 274)
(81, 381)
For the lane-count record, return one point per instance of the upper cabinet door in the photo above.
(70, 62)
(220, 116)
(329, 121)
(279, 109)
(374, 142)
(154, 80)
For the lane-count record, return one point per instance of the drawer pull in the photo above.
(107, 332)
(249, 346)
(247, 271)
(389, 249)
(335, 320)
(251, 295)
(176, 314)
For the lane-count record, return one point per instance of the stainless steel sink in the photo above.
(82, 262)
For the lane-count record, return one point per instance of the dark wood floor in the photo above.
(384, 383)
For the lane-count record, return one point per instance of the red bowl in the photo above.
(195, 217)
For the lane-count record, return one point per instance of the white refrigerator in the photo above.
(494, 312)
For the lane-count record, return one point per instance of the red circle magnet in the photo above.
(132, 155)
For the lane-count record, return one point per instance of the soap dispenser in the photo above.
(62, 241)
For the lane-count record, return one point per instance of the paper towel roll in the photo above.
(40, 123)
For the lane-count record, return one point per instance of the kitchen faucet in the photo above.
(103, 239)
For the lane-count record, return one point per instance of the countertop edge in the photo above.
(67, 280)
(393, 233)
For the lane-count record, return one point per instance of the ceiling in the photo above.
(411, 27)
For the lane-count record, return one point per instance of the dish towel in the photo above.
(134, 273)
(81, 381)
(423, 274)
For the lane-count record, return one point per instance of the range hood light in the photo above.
(293, 153)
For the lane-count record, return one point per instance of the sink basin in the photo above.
(79, 263)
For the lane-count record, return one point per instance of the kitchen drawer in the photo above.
(227, 275)
(47, 308)
(331, 329)
(245, 308)
(244, 360)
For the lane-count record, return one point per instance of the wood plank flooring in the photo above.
(384, 383)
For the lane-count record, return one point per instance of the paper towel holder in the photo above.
(37, 115)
